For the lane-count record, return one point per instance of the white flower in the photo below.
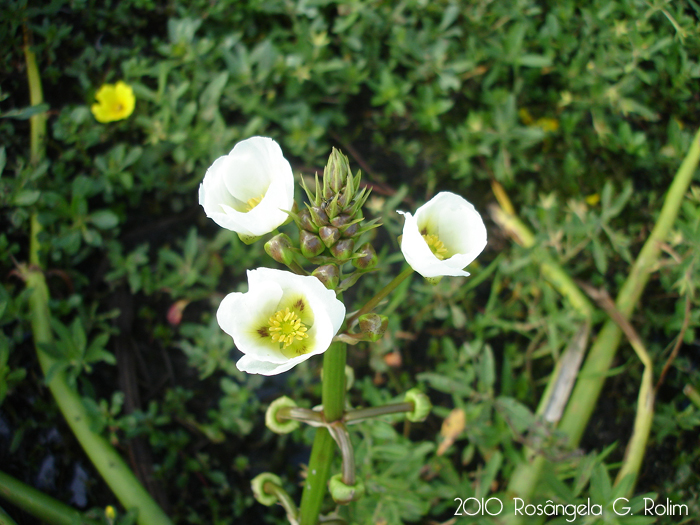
(282, 320)
(445, 235)
(246, 190)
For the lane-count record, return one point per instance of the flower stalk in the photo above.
(362, 414)
(602, 353)
(34, 502)
(104, 457)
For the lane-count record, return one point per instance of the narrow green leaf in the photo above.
(25, 113)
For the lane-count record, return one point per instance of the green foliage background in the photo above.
(582, 112)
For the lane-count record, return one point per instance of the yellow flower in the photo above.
(114, 102)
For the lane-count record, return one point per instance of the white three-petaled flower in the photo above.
(248, 190)
(444, 236)
(282, 320)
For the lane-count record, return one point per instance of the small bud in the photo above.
(318, 216)
(350, 230)
(342, 493)
(421, 405)
(310, 244)
(342, 250)
(336, 171)
(280, 249)
(329, 235)
(306, 222)
(328, 274)
(373, 326)
(341, 220)
(368, 257)
(280, 426)
(258, 486)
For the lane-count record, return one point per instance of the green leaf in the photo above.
(487, 370)
(601, 488)
(104, 219)
(530, 60)
(27, 197)
(25, 113)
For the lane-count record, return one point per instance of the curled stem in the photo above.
(283, 499)
(342, 438)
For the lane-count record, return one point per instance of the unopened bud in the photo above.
(342, 493)
(336, 171)
(341, 220)
(306, 222)
(280, 249)
(344, 223)
(328, 274)
(329, 235)
(277, 425)
(368, 257)
(350, 230)
(318, 216)
(310, 244)
(373, 326)
(342, 250)
(421, 405)
(258, 486)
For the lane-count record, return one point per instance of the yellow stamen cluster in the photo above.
(436, 245)
(285, 327)
(252, 203)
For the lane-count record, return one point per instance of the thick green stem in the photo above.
(103, 456)
(5, 518)
(316, 477)
(106, 460)
(333, 397)
(594, 371)
(38, 504)
(37, 122)
(334, 382)
(374, 301)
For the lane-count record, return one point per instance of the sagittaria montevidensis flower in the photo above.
(282, 320)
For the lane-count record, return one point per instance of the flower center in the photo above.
(285, 327)
(436, 245)
(252, 203)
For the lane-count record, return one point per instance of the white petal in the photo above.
(242, 315)
(247, 171)
(252, 366)
(255, 168)
(456, 223)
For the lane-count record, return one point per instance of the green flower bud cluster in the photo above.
(332, 221)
